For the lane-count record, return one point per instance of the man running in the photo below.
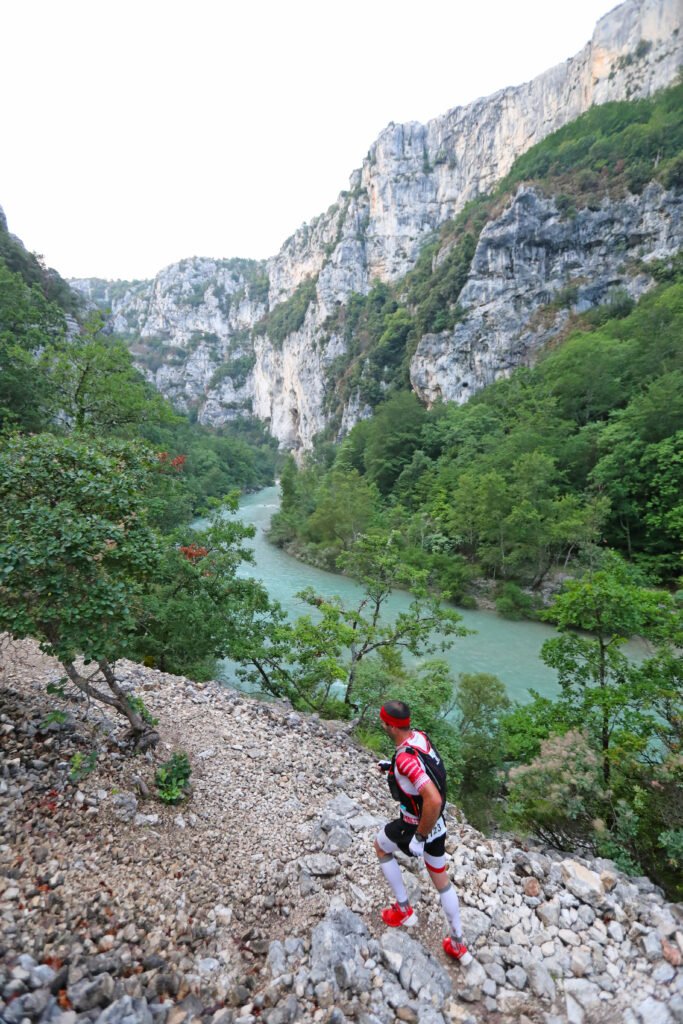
(420, 831)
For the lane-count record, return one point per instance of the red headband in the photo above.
(398, 723)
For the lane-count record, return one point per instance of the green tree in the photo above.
(28, 324)
(75, 553)
(388, 352)
(302, 662)
(640, 470)
(591, 375)
(543, 525)
(375, 562)
(315, 661)
(480, 704)
(345, 506)
(96, 387)
(608, 605)
(601, 764)
(392, 439)
(474, 516)
(193, 611)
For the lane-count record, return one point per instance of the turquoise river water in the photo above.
(509, 650)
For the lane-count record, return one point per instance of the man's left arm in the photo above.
(431, 809)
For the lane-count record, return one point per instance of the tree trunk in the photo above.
(350, 681)
(142, 735)
(604, 732)
(605, 748)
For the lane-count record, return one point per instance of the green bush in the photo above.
(81, 765)
(671, 841)
(172, 779)
(513, 603)
(560, 807)
(238, 369)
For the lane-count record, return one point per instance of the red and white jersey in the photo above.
(408, 769)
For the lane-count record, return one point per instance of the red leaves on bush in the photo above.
(177, 462)
(193, 552)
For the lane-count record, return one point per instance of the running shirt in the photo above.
(409, 772)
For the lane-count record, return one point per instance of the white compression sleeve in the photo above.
(392, 873)
(451, 907)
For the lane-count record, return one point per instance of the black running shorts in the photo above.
(400, 832)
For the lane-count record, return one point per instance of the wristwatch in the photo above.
(422, 839)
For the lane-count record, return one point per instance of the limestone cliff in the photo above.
(189, 329)
(532, 269)
(413, 179)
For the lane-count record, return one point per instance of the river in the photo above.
(509, 650)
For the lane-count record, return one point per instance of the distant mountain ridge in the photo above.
(228, 337)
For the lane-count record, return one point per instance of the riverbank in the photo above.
(259, 899)
(481, 591)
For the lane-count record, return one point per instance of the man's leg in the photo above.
(453, 945)
(402, 912)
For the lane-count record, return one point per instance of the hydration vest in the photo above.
(434, 767)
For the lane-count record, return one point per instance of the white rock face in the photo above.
(529, 257)
(417, 176)
(414, 178)
(289, 384)
(193, 319)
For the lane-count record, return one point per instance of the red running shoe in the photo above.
(396, 915)
(458, 951)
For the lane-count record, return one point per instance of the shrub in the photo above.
(288, 316)
(81, 765)
(513, 603)
(558, 796)
(238, 369)
(172, 779)
(671, 841)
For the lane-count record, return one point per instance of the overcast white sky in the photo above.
(138, 132)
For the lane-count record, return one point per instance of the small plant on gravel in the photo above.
(82, 765)
(172, 778)
(53, 718)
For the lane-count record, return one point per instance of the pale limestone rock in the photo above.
(529, 257)
(572, 869)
